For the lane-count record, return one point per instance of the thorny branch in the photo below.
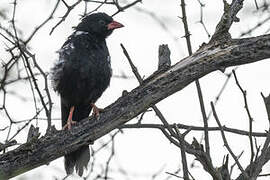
(63, 18)
(100, 4)
(197, 82)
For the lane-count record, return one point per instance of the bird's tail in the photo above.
(78, 159)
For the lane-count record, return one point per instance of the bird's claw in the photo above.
(96, 111)
(69, 124)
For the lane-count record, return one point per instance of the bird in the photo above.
(80, 76)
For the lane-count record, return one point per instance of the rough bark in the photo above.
(208, 58)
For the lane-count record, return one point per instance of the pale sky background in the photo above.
(144, 152)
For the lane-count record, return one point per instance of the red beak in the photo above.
(114, 25)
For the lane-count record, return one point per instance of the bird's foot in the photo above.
(69, 124)
(69, 121)
(96, 110)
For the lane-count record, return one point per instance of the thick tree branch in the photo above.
(227, 19)
(207, 59)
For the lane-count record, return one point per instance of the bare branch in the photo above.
(255, 167)
(138, 76)
(198, 86)
(259, 24)
(201, 21)
(228, 17)
(43, 23)
(120, 8)
(226, 143)
(63, 18)
(244, 93)
(183, 152)
(194, 128)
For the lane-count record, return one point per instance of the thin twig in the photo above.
(172, 174)
(120, 9)
(63, 18)
(198, 86)
(109, 159)
(259, 24)
(43, 23)
(256, 4)
(194, 128)
(183, 152)
(201, 21)
(139, 78)
(244, 93)
(133, 67)
(226, 143)
(232, 166)
(48, 110)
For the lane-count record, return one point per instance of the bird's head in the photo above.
(100, 24)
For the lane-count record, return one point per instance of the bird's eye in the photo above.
(101, 22)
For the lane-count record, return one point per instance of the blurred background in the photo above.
(135, 153)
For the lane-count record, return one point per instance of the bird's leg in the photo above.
(70, 121)
(96, 110)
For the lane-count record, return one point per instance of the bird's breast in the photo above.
(87, 81)
(84, 71)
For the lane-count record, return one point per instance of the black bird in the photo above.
(81, 75)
